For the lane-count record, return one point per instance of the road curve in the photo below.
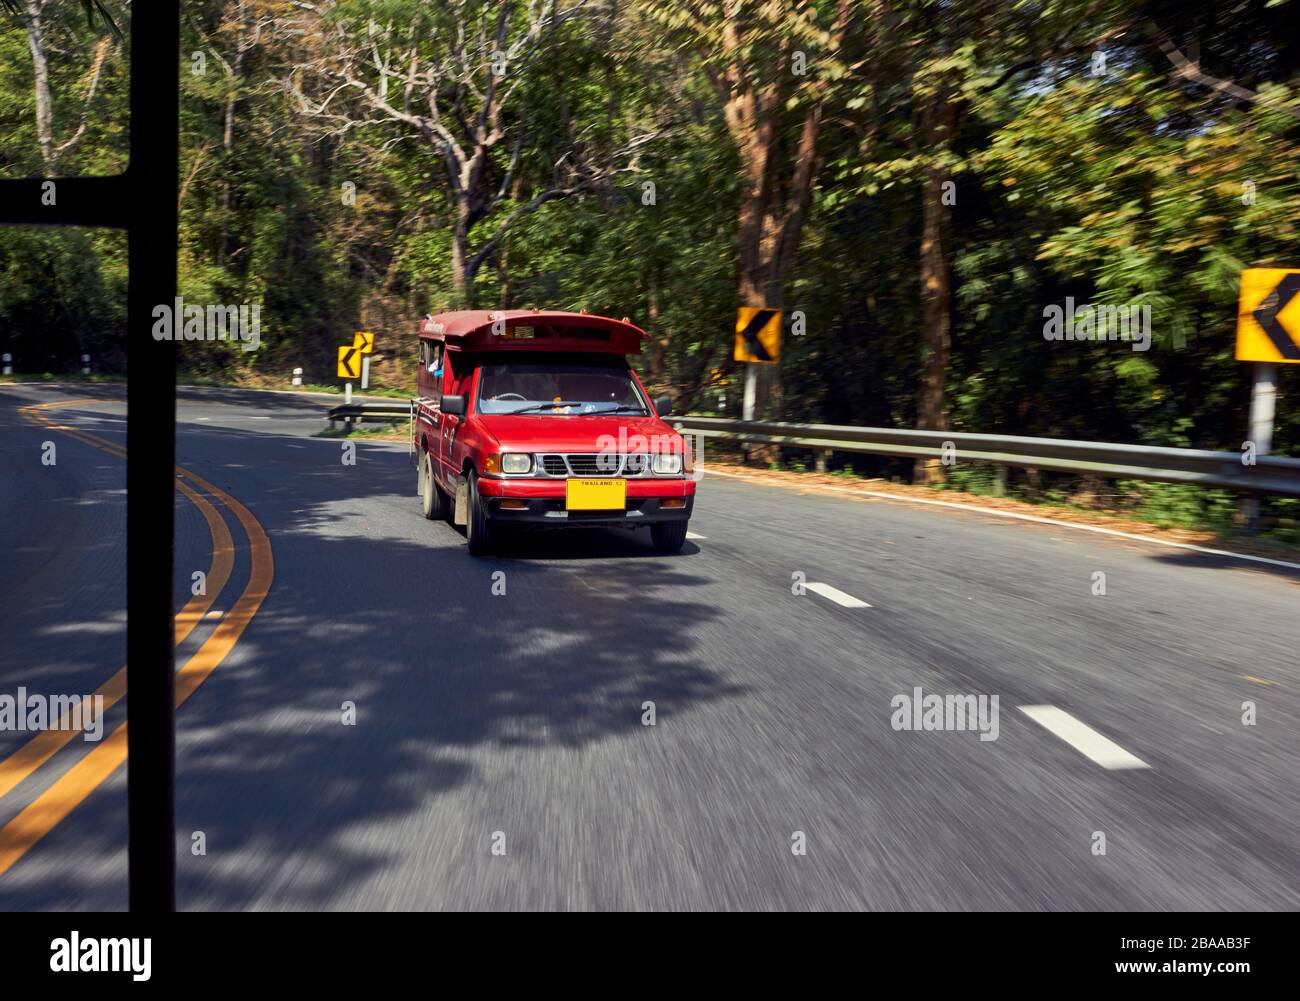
(515, 719)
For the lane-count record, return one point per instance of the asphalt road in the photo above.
(521, 713)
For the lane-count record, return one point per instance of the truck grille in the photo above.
(591, 464)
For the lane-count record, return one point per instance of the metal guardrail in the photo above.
(1271, 474)
(375, 410)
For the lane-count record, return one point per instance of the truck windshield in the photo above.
(557, 389)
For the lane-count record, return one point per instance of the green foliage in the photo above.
(1180, 505)
(1118, 187)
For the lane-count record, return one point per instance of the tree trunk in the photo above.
(503, 275)
(41, 72)
(754, 264)
(226, 247)
(758, 284)
(655, 356)
(936, 286)
(461, 279)
(227, 148)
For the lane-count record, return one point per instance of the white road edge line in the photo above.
(902, 498)
(1082, 737)
(836, 595)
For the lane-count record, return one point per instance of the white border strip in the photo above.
(903, 498)
(836, 595)
(1082, 737)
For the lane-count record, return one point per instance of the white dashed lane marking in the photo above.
(1082, 737)
(836, 595)
(694, 535)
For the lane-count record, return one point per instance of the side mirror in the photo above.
(663, 406)
(454, 405)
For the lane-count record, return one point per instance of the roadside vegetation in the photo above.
(914, 190)
(1211, 514)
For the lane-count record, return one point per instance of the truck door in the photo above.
(459, 380)
(446, 382)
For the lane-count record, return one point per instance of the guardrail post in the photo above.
(297, 377)
(85, 364)
(1000, 480)
(822, 455)
(8, 363)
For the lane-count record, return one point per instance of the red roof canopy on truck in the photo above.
(532, 330)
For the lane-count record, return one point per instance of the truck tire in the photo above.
(433, 502)
(668, 536)
(478, 530)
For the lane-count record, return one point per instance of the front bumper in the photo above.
(544, 500)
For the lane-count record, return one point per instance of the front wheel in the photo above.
(478, 530)
(668, 536)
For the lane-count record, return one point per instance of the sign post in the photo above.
(1268, 334)
(1263, 407)
(751, 393)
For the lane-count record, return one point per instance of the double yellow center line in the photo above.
(69, 790)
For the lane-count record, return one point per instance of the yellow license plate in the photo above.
(595, 495)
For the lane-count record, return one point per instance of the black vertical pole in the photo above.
(151, 455)
(143, 202)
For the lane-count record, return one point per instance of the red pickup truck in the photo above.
(535, 418)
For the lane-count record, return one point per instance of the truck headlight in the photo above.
(516, 462)
(667, 463)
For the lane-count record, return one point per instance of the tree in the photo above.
(453, 76)
(41, 19)
(772, 67)
(929, 71)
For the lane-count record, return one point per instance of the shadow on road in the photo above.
(376, 607)
(1207, 561)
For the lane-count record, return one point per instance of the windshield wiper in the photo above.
(624, 407)
(546, 406)
(616, 408)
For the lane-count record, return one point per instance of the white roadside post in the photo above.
(7, 358)
(297, 377)
(1263, 408)
(365, 371)
(85, 364)
(347, 392)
